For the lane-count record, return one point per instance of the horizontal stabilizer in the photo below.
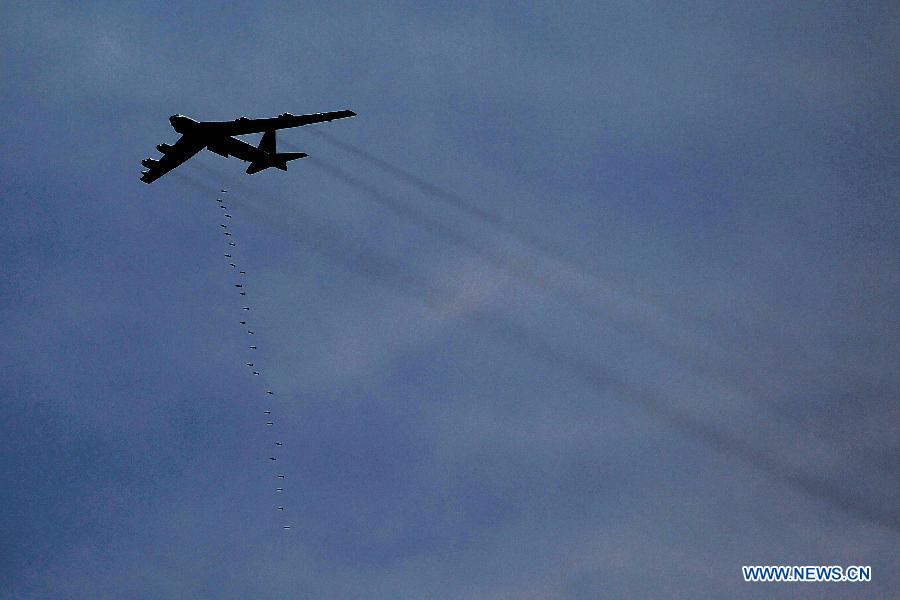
(279, 161)
(286, 156)
(256, 167)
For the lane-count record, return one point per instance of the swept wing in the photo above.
(187, 146)
(244, 126)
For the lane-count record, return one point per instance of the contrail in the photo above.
(736, 448)
(629, 326)
(701, 357)
(355, 255)
(527, 272)
(697, 360)
(674, 314)
(454, 200)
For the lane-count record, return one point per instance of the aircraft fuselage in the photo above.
(220, 137)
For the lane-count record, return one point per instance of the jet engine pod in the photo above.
(149, 162)
(164, 148)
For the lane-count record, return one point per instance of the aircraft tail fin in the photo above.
(267, 142)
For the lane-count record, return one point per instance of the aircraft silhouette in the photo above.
(217, 137)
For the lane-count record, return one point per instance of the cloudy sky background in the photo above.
(594, 301)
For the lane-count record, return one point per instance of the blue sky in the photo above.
(595, 300)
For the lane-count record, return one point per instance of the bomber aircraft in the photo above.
(217, 136)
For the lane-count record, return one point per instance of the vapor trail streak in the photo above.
(356, 256)
(676, 315)
(690, 355)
